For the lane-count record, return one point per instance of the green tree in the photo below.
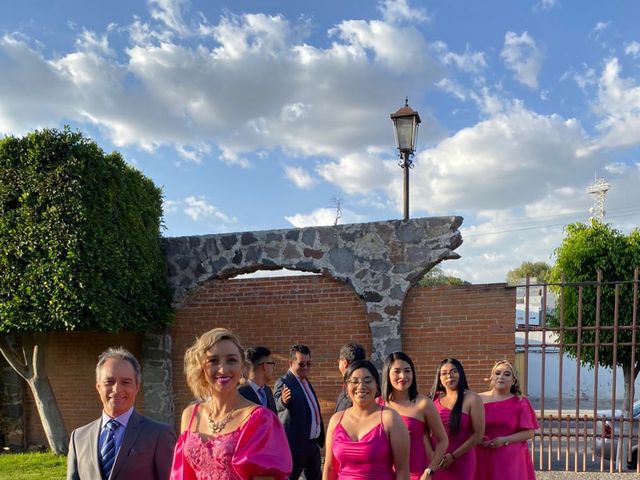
(587, 249)
(80, 249)
(539, 270)
(436, 276)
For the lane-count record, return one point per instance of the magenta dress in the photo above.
(369, 458)
(255, 448)
(464, 466)
(504, 418)
(417, 453)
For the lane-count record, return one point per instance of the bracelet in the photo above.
(506, 442)
(453, 456)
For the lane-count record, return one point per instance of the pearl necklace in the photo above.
(217, 427)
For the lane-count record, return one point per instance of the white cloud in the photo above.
(395, 11)
(600, 27)
(200, 212)
(587, 78)
(32, 90)
(617, 168)
(323, 217)
(194, 153)
(170, 206)
(472, 62)
(90, 41)
(231, 157)
(490, 103)
(260, 34)
(453, 88)
(512, 158)
(360, 173)
(547, 4)
(400, 49)
(618, 104)
(299, 177)
(522, 56)
(632, 49)
(169, 13)
(250, 84)
(197, 208)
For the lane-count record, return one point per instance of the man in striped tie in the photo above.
(121, 444)
(299, 412)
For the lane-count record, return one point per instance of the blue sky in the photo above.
(257, 115)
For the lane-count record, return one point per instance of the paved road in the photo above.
(586, 476)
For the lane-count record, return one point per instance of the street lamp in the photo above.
(405, 128)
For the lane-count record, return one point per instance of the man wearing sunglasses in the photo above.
(299, 412)
(260, 375)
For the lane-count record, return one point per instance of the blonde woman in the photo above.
(510, 422)
(224, 436)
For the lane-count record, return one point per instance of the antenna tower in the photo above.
(598, 189)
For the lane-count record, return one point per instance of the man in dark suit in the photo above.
(299, 412)
(260, 374)
(121, 444)
(349, 353)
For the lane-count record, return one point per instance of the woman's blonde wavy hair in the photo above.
(195, 356)
(515, 388)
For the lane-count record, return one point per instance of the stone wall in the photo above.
(380, 261)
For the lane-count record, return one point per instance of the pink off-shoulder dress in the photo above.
(502, 419)
(464, 467)
(257, 447)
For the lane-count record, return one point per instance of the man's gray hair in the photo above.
(119, 353)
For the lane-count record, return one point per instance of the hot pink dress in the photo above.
(417, 453)
(369, 458)
(257, 447)
(504, 418)
(418, 460)
(464, 466)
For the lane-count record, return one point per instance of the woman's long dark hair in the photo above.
(456, 411)
(387, 389)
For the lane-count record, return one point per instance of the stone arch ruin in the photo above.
(381, 261)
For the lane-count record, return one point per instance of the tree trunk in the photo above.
(28, 359)
(629, 379)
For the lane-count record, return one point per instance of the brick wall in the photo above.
(317, 311)
(472, 323)
(71, 366)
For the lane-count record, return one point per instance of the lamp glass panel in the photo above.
(404, 127)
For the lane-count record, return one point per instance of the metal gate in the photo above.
(562, 354)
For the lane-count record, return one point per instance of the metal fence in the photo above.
(562, 353)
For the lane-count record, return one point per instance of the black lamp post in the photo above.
(405, 128)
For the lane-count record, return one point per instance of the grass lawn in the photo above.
(32, 466)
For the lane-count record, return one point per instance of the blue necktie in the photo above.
(108, 449)
(263, 396)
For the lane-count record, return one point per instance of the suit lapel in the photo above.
(94, 436)
(271, 404)
(252, 393)
(298, 392)
(134, 427)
